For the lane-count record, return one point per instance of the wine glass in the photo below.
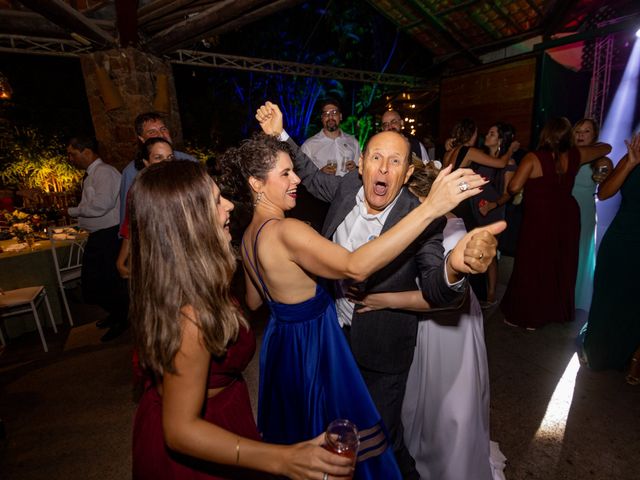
(342, 439)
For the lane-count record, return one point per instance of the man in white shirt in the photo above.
(99, 214)
(391, 120)
(362, 207)
(333, 151)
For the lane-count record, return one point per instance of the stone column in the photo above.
(120, 85)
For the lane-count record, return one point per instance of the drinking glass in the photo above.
(333, 164)
(342, 439)
(343, 163)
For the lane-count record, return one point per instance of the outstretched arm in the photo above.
(589, 153)
(478, 156)
(321, 257)
(625, 166)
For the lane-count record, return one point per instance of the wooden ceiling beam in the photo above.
(445, 32)
(191, 29)
(553, 17)
(505, 16)
(253, 16)
(170, 19)
(454, 8)
(127, 22)
(160, 9)
(19, 22)
(70, 19)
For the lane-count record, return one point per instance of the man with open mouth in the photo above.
(364, 204)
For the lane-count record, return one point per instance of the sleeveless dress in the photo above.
(308, 378)
(464, 209)
(542, 285)
(613, 329)
(491, 192)
(229, 409)
(584, 191)
(446, 405)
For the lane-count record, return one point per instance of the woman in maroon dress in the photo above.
(194, 420)
(541, 288)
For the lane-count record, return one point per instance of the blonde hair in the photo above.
(180, 256)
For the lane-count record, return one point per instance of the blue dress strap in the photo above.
(254, 266)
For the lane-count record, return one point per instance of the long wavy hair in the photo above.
(556, 137)
(463, 131)
(506, 134)
(180, 256)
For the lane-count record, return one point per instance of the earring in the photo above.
(258, 198)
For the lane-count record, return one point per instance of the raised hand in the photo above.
(474, 252)
(451, 188)
(633, 150)
(270, 118)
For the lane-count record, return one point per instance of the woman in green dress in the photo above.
(613, 330)
(585, 132)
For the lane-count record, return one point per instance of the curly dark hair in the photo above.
(256, 156)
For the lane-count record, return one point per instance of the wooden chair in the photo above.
(24, 300)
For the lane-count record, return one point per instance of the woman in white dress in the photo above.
(445, 412)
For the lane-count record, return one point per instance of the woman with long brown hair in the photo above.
(194, 420)
(542, 284)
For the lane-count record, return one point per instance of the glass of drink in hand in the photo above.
(342, 439)
(332, 165)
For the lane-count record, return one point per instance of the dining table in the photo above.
(22, 265)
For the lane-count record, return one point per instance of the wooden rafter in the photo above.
(253, 16)
(189, 30)
(555, 15)
(488, 29)
(445, 32)
(454, 8)
(160, 9)
(33, 24)
(127, 22)
(505, 15)
(70, 19)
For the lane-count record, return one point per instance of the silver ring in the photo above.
(325, 476)
(463, 186)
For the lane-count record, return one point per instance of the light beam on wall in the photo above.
(617, 127)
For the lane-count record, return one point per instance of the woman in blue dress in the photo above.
(308, 376)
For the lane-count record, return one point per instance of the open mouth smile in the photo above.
(380, 188)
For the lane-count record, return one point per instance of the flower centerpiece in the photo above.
(21, 225)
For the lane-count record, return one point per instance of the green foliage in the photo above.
(36, 161)
(202, 154)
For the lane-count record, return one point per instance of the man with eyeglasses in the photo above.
(391, 120)
(147, 125)
(333, 151)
